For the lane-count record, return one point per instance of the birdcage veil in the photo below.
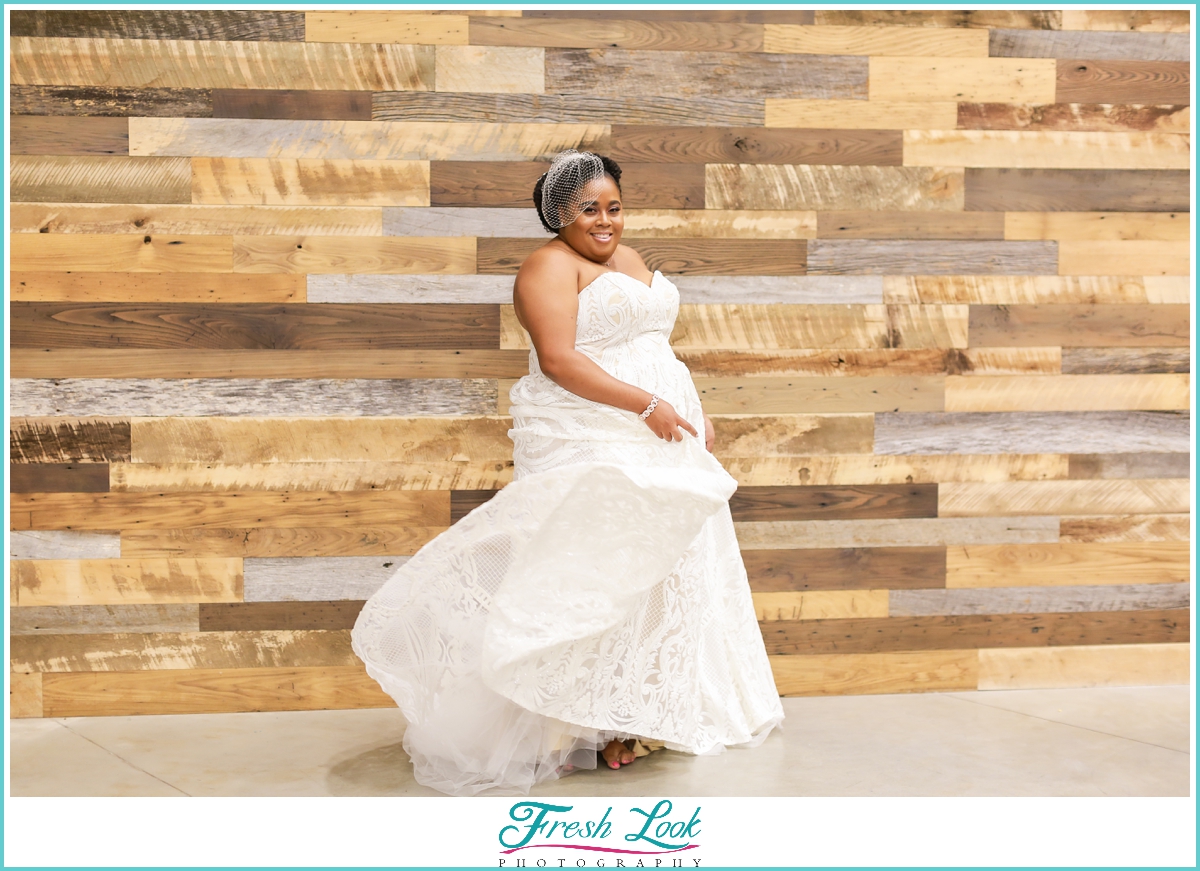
(572, 181)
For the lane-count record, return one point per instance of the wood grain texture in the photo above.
(491, 69)
(960, 79)
(766, 257)
(155, 287)
(867, 224)
(820, 605)
(789, 435)
(96, 179)
(1013, 290)
(177, 63)
(1067, 393)
(253, 181)
(860, 114)
(631, 34)
(1030, 432)
(371, 26)
(1122, 81)
(846, 568)
(254, 325)
(1094, 45)
(257, 616)
(63, 544)
(874, 41)
(216, 24)
(1037, 20)
(293, 105)
(696, 74)
(719, 223)
(854, 362)
(1046, 149)
(1025, 600)
(716, 16)
(317, 579)
(328, 476)
(644, 143)
(310, 541)
(24, 695)
(1148, 496)
(1080, 325)
(1098, 227)
(914, 532)
(58, 620)
(869, 673)
(58, 477)
(1094, 361)
(951, 257)
(564, 109)
(60, 440)
(63, 135)
(1144, 465)
(86, 253)
(794, 289)
(1067, 564)
(450, 221)
(340, 255)
(125, 581)
(832, 188)
(509, 184)
(1135, 20)
(200, 691)
(825, 503)
(819, 395)
(266, 397)
(1144, 257)
(190, 220)
(376, 289)
(1076, 190)
(97, 100)
(1095, 665)
(873, 469)
(1100, 117)
(189, 510)
(1125, 527)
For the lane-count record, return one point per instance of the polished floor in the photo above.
(1127, 741)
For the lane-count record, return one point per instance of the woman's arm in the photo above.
(548, 302)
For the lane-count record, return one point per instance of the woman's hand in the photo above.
(665, 422)
(710, 435)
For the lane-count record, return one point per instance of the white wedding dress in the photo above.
(600, 595)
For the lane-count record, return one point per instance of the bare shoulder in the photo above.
(545, 269)
(631, 256)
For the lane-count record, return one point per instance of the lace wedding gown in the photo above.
(599, 595)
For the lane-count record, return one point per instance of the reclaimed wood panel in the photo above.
(787, 435)
(125, 581)
(696, 74)
(1094, 45)
(1125, 527)
(1148, 496)
(162, 287)
(374, 26)
(1094, 361)
(862, 361)
(178, 63)
(1046, 149)
(865, 224)
(1139, 257)
(97, 100)
(914, 532)
(251, 181)
(818, 503)
(630, 34)
(1066, 392)
(794, 289)
(719, 223)
(1137, 20)
(63, 544)
(1098, 226)
(1143, 465)
(56, 439)
(1076, 190)
(491, 69)
(835, 674)
(819, 395)
(311, 541)
(949, 257)
(214, 24)
(846, 568)
(1122, 81)
(510, 184)
(1038, 20)
(832, 188)
(100, 179)
(248, 616)
(374, 289)
(1068, 563)
(317, 579)
(58, 477)
(189, 510)
(208, 691)
(1026, 600)
(874, 41)
(870, 468)
(24, 695)
(716, 16)
(962, 79)
(646, 143)
(43, 252)
(1099, 117)
(1095, 665)
(821, 605)
(327, 476)
(59, 620)
(64, 135)
(1013, 290)
(860, 114)
(1080, 325)
(193, 220)
(293, 105)
(339, 255)
(480, 222)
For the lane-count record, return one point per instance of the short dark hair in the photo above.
(610, 169)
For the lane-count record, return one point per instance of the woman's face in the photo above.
(597, 230)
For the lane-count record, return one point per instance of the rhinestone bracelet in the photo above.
(649, 408)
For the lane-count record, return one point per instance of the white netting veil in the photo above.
(572, 181)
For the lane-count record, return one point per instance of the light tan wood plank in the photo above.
(258, 180)
(821, 605)
(488, 474)
(1149, 496)
(1126, 258)
(820, 395)
(1046, 149)
(24, 695)
(1094, 665)
(829, 674)
(1098, 226)
(1067, 564)
(832, 188)
(200, 691)
(791, 435)
(1138, 20)
(860, 114)
(981, 80)
(617, 31)
(171, 63)
(47, 251)
(1125, 527)
(309, 255)
(63, 544)
(1036, 19)
(1168, 289)
(891, 361)
(150, 287)
(1013, 289)
(485, 69)
(189, 220)
(274, 542)
(839, 469)
(126, 581)
(719, 224)
(875, 41)
(375, 26)
(916, 532)
(100, 619)
(1067, 392)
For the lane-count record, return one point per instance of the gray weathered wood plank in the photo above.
(946, 257)
(460, 221)
(1125, 361)
(908, 532)
(1130, 466)
(1032, 432)
(1089, 44)
(235, 397)
(808, 289)
(317, 579)
(363, 288)
(97, 619)
(565, 109)
(63, 544)
(101, 179)
(1035, 600)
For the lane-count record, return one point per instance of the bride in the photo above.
(597, 606)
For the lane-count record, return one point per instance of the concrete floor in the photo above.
(1129, 741)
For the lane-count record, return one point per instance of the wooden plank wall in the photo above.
(935, 278)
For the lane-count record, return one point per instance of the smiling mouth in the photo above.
(602, 237)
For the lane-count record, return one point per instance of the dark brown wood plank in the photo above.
(723, 256)
(1078, 325)
(58, 477)
(64, 440)
(463, 502)
(53, 134)
(662, 186)
(82, 100)
(250, 325)
(1129, 466)
(889, 634)
(292, 105)
(670, 144)
(846, 568)
(559, 109)
(719, 16)
(509, 184)
(240, 616)
(1122, 81)
(1125, 361)
(1100, 117)
(910, 225)
(223, 24)
(705, 74)
(1077, 190)
(867, 502)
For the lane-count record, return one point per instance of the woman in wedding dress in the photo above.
(598, 604)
